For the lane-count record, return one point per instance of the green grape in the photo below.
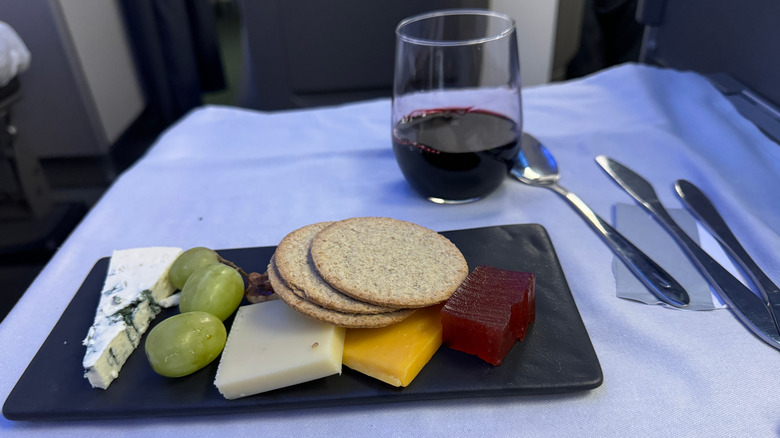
(185, 343)
(188, 262)
(217, 289)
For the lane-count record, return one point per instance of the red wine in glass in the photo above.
(453, 155)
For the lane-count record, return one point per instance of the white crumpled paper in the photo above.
(14, 56)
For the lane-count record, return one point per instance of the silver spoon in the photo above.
(535, 166)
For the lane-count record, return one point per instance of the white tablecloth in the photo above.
(225, 177)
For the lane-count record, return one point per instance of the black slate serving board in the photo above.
(555, 357)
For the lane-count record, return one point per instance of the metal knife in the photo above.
(702, 208)
(746, 306)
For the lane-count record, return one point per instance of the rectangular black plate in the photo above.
(555, 357)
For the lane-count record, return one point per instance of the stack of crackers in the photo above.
(365, 272)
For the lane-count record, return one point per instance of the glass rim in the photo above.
(448, 12)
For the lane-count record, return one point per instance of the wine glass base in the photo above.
(453, 201)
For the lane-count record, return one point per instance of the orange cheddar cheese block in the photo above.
(395, 354)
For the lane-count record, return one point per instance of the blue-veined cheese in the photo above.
(136, 283)
(272, 346)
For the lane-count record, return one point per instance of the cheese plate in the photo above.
(555, 357)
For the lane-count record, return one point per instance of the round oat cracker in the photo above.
(295, 267)
(331, 316)
(388, 262)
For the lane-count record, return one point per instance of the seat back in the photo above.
(734, 42)
(303, 53)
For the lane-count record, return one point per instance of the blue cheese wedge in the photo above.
(136, 283)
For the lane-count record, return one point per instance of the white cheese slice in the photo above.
(136, 282)
(272, 346)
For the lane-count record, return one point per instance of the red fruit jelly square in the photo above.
(489, 312)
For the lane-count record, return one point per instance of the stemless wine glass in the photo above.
(457, 110)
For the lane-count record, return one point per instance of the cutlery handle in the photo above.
(701, 207)
(655, 278)
(753, 312)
